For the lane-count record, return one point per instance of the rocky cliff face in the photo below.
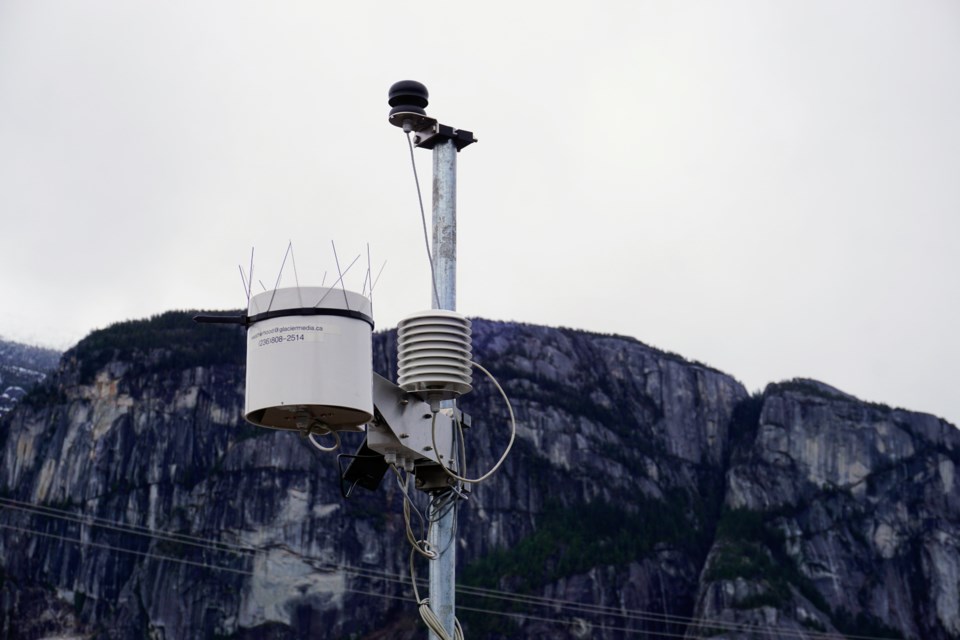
(21, 368)
(646, 495)
(839, 516)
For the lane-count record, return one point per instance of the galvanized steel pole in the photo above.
(445, 223)
(443, 530)
(408, 100)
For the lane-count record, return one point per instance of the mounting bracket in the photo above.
(401, 432)
(429, 138)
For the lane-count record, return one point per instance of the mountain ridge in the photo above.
(641, 482)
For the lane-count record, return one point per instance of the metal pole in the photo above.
(445, 223)
(442, 532)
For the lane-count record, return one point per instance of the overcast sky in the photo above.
(772, 188)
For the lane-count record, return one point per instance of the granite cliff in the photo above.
(647, 496)
(21, 368)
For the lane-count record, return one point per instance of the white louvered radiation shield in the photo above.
(434, 350)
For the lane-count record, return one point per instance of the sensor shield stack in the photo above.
(434, 355)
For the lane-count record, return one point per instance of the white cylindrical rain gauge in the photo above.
(434, 350)
(309, 359)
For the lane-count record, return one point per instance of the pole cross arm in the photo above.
(431, 137)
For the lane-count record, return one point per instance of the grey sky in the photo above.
(772, 188)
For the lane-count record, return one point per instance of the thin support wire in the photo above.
(423, 218)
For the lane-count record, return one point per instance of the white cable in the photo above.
(423, 219)
(426, 613)
(513, 434)
(322, 431)
(463, 448)
(423, 547)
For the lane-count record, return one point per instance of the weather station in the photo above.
(309, 370)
